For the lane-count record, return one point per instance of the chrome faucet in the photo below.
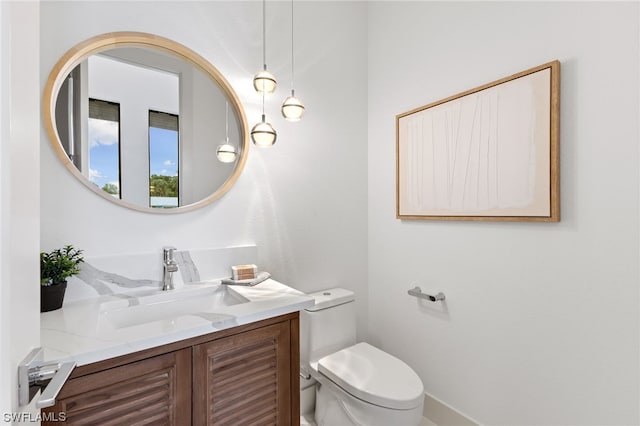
(170, 266)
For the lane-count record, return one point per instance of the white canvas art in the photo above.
(483, 154)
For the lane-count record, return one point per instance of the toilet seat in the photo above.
(373, 376)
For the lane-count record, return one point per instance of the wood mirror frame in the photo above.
(104, 42)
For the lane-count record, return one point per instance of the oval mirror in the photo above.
(145, 122)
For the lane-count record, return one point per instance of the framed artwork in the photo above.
(487, 154)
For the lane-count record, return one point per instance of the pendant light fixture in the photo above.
(226, 152)
(264, 81)
(263, 134)
(292, 107)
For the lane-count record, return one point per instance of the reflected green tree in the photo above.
(163, 186)
(111, 188)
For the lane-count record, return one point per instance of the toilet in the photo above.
(354, 383)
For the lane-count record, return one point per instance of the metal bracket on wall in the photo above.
(35, 375)
(417, 292)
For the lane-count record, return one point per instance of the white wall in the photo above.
(541, 323)
(303, 202)
(19, 203)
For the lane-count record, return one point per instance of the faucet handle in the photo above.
(168, 253)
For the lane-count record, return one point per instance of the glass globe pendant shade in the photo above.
(226, 153)
(264, 82)
(263, 134)
(292, 108)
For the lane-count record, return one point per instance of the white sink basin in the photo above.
(166, 305)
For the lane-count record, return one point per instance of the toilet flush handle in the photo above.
(304, 374)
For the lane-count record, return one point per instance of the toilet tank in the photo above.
(328, 326)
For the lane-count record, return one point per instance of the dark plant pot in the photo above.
(52, 296)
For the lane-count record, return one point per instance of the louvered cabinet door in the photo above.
(154, 391)
(244, 379)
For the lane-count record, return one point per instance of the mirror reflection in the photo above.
(143, 125)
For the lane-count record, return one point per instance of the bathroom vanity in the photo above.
(203, 353)
(237, 365)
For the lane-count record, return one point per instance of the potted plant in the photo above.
(55, 268)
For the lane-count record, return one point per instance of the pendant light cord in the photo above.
(264, 33)
(264, 46)
(292, 86)
(226, 122)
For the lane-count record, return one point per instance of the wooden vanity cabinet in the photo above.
(151, 391)
(239, 376)
(243, 379)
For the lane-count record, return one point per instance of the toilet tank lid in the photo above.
(375, 376)
(330, 297)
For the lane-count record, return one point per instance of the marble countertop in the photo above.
(80, 330)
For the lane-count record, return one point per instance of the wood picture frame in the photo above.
(487, 154)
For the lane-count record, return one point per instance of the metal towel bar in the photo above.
(417, 292)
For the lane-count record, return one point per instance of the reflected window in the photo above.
(163, 160)
(104, 145)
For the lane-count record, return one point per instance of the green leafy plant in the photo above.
(60, 264)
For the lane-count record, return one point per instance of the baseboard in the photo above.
(444, 415)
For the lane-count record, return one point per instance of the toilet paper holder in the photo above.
(417, 292)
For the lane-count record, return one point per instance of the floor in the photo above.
(307, 420)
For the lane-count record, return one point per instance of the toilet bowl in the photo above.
(355, 384)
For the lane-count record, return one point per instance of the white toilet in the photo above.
(355, 384)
